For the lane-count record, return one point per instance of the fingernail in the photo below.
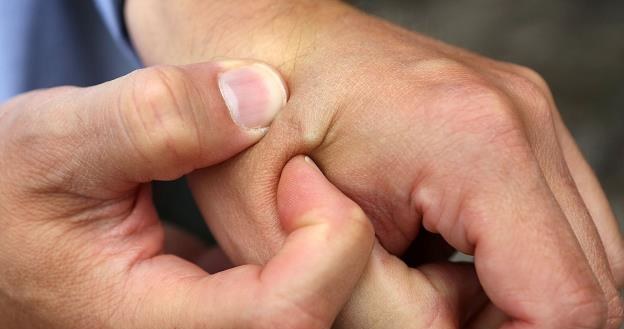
(311, 163)
(253, 93)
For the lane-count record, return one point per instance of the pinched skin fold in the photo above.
(418, 133)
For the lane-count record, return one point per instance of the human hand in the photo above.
(416, 132)
(392, 294)
(81, 244)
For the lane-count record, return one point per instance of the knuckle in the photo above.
(159, 118)
(485, 113)
(479, 97)
(467, 104)
(532, 90)
(483, 123)
(531, 77)
(160, 84)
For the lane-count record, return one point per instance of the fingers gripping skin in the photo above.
(436, 295)
(473, 178)
(156, 123)
(304, 285)
(397, 114)
(79, 227)
(308, 202)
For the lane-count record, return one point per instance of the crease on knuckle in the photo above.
(160, 120)
(538, 103)
(485, 115)
(532, 77)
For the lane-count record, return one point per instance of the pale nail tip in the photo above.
(277, 79)
(259, 130)
(230, 99)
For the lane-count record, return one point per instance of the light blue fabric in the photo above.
(46, 43)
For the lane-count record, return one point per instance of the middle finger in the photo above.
(537, 113)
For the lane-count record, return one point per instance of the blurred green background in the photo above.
(576, 45)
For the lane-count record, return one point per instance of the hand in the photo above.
(394, 295)
(81, 244)
(418, 133)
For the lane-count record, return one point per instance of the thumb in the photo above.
(328, 244)
(172, 120)
(159, 123)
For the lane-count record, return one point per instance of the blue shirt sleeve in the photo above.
(111, 12)
(58, 42)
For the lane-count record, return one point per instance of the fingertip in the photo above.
(299, 190)
(328, 245)
(304, 194)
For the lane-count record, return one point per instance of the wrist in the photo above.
(279, 32)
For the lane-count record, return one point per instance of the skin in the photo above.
(421, 135)
(81, 245)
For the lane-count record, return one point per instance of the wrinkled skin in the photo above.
(419, 134)
(81, 245)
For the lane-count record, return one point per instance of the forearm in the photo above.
(279, 32)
